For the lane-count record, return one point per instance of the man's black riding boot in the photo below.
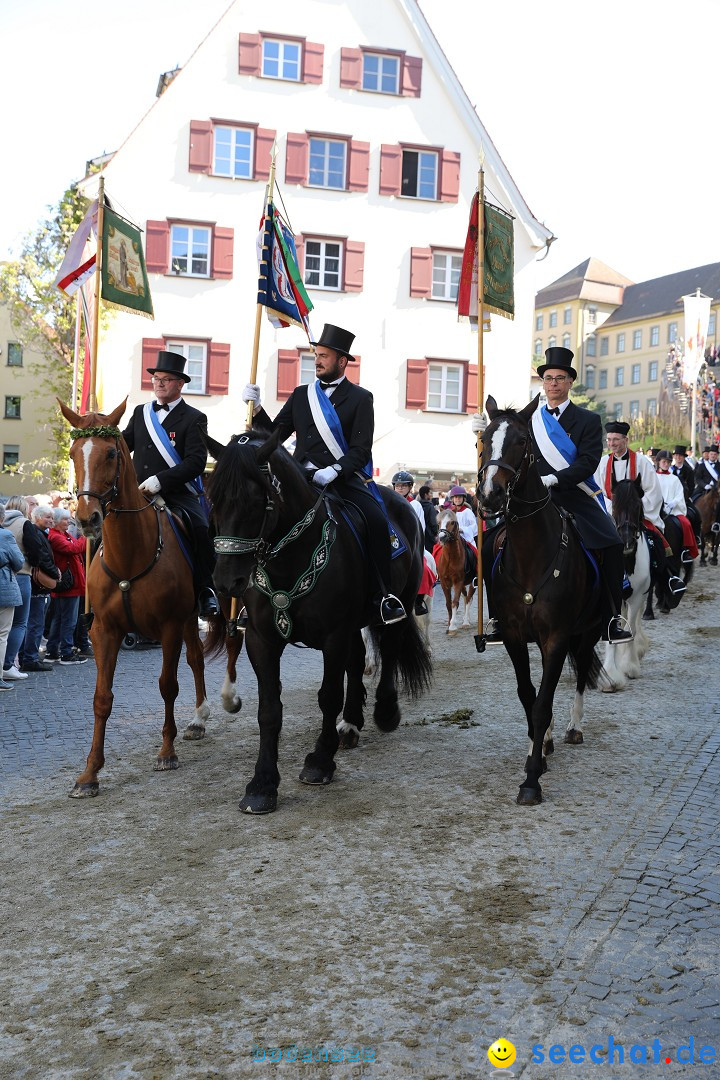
(207, 601)
(613, 572)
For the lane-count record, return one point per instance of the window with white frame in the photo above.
(620, 376)
(652, 406)
(538, 322)
(538, 346)
(552, 341)
(381, 73)
(445, 387)
(446, 275)
(711, 324)
(195, 353)
(590, 377)
(233, 152)
(620, 345)
(567, 316)
(654, 335)
(592, 316)
(635, 374)
(634, 410)
(652, 371)
(602, 383)
(419, 174)
(307, 368)
(604, 346)
(323, 264)
(327, 163)
(566, 341)
(637, 339)
(618, 410)
(591, 346)
(190, 250)
(281, 59)
(672, 332)
(553, 319)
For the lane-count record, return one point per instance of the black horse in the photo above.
(289, 548)
(544, 587)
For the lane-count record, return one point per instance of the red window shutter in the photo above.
(352, 371)
(358, 166)
(411, 76)
(471, 388)
(300, 251)
(351, 68)
(421, 271)
(157, 247)
(416, 384)
(218, 368)
(222, 252)
(287, 373)
(313, 62)
(201, 140)
(390, 169)
(150, 349)
(264, 139)
(296, 158)
(249, 54)
(449, 176)
(354, 265)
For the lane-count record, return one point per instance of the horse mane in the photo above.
(238, 469)
(626, 498)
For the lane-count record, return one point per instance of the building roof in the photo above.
(590, 280)
(663, 295)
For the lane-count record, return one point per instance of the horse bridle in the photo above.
(106, 497)
(516, 477)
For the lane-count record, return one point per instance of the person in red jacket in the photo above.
(69, 555)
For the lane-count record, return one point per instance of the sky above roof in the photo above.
(602, 113)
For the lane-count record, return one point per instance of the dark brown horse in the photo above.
(707, 507)
(139, 582)
(544, 587)
(455, 578)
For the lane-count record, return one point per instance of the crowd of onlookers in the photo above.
(42, 580)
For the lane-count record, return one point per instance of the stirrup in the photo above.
(623, 627)
(396, 618)
(715, 527)
(676, 585)
(492, 635)
(686, 557)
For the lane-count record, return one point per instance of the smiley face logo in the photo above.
(501, 1054)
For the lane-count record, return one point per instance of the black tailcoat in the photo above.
(187, 426)
(703, 476)
(584, 427)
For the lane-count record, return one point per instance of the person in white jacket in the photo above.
(467, 521)
(622, 463)
(673, 492)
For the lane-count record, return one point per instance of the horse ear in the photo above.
(527, 412)
(71, 416)
(491, 407)
(215, 448)
(263, 452)
(113, 418)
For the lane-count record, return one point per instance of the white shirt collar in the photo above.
(562, 407)
(169, 406)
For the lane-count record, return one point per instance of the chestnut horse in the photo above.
(456, 581)
(139, 581)
(706, 506)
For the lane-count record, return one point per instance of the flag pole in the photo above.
(479, 643)
(92, 395)
(258, 311)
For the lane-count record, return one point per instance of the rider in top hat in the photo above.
(683, 471)
(568, 483)
(337, 464)
(622, 463)
(169, 455)
(707, 472)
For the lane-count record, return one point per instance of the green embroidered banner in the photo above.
(498, 293)
(124, 278)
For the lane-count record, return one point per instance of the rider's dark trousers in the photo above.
(378, 536)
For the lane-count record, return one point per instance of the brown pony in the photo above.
(706, 506)
(140, 581)
(450, 557)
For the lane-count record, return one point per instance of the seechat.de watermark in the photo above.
(618, 1054)
(348, 1054)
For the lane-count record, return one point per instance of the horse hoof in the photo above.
(649, 616)
(85, 791)
(348, 740)
(315, 777)
(233, 706)
(573, 737)
(529, 796)
(387, 721)
(193, 732)
(166, 764)
(258, 804)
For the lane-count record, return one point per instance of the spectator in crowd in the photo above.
(38, 553)
(11, 559)
(427, 515)
(17, 510)
(68, 554)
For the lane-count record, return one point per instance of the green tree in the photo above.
(581, 397)
(43, 318)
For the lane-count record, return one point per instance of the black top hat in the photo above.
(170, 363)
(334, 337)
(707, 449)
(680, 450)
(617, 427)
(558, 357)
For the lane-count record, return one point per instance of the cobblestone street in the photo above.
(411, 908)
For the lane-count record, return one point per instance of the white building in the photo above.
(378, 150)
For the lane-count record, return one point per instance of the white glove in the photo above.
(550, 480)
(252, 393)
(323, 477)
(151, 486)
(479, 422)
(708, 486)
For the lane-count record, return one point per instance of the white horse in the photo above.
(622, 662)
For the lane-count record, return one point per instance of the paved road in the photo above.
(595, 917)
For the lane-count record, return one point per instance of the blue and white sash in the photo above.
(165, 448)
(559, 450)
(330, 429)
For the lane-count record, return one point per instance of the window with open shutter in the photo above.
(390, 170)
(218, 368)
(416, 384)
(157, 247)
(201, 146)
(150, 349)
(296, 158)
(287, 373)
(421, 272)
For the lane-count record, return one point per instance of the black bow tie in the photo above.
(158, 405)
(554, 412)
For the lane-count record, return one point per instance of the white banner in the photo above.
(697, 319)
